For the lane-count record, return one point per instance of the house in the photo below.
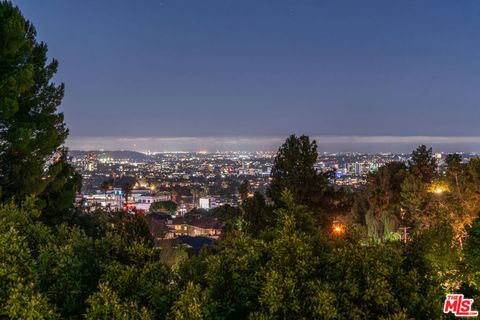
(163, 226)
(196, 226)
(144, 201)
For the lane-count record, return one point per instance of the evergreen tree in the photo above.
(31, 128)
(294, 169)
(473, 172)
(423, 164)
(168, 206)
(472, 251)
(231, 216)
(378, 203)
(127, 192)
(414, 201)
(59, 196)
(189, 304)
(105, 304)
(244, 189)
(257, 214)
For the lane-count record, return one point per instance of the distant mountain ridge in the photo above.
(114, 154)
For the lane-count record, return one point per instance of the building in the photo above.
(205, 203)
(358, 169)
(111, 199)
(194, 227)
(115, 199)
(144, 201)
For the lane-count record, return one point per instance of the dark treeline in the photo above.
(390, 249)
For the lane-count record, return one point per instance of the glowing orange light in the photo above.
(338, 229)
(438, 188)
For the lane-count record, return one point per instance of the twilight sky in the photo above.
(164, 69)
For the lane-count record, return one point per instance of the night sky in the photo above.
(205, 74)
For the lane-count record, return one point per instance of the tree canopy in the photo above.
(32, 162)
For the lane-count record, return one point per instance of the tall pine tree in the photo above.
(423, 164)
(31, 128)
(294, 169)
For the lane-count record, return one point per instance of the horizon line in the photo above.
(331, 143)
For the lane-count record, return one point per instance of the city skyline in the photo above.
(262, 69)
(366, 144)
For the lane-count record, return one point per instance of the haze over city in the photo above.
(228, 75)
(368, 144)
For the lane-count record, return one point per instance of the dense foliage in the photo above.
(388, 250)
(165, 206)
(32, 161)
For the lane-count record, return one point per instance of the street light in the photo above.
(338, 229)
(438, 188)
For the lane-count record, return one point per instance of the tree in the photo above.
(129, 227)
(26, 303)
(195, 193)
(257, 214)
(189, 305)
(59, 196)
(454, 168)
(231, 216)
(105, 304)
(69, 269)
(294, 169)
(414, 201)
(472, 251)
(473, 171)
(439, 254)
(145, 282)
(20, 240)
(244, 190)
(299, 273)
(31, 128)
(168, 206)
(422, 164)
(127, 192)
(378, 202)
(105, 186)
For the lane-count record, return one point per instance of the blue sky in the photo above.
(249, 68)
